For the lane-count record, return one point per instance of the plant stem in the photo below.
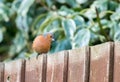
(100, 26)
(43, 4)
(37, 19)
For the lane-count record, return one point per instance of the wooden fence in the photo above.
(100, 63)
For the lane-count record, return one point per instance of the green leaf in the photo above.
(19, 43)
(16, 5)
(2, 30)
(61, 1)
(117, 36)
(1, 36)
(69, 27)
(101, 5)
(38, 20)
(24, 7)
(52, 16)
(72, 3)
(64, 11)
(54, 26)
(4, 12)
(113, 5)
(90, 13)
(115, 31)
(79, 21)
(82, 38)
(63, 45)
(81, 1)
(23, 23)
(49, 2)
(115, 16)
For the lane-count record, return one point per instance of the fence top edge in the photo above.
(48, 54)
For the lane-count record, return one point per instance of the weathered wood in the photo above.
(14, 71)
(44, 68)
(56, 67)
(34, 69)
(1, 72)
(116, 62)
(78, 65)
(101, 63)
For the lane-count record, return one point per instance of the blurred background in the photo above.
(75, 23)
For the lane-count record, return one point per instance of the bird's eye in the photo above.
(51, 36)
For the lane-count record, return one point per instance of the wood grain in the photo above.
(34, 69)
(101, 67)
(57, 67)
(1, 72)
(14, 71)
(78, 65)
(116, 62)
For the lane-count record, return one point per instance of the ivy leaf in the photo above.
(82, 38)
(24, 7)
(64, 11)
(63, 45)
(1, 35)
(115, 16)
(115, 31)
(23, 23)
(49, 3)
(69, 27)
(81, 1)
(19, 43)
(102, 5)
(79, 21)
(72, 3)
(61, 1)
(4, 12)
(117, 36)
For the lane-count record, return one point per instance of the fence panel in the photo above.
(34, 69)
(117, 62)
(78, 65)
(14, 71)
(101, 63)
(1, 72)
(56, 67)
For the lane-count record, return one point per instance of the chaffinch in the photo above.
(42, 43)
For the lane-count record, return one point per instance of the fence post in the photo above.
(14, 71)
(34, 69)
(1, 72)
(116, 62)
(57, 67)
(101, 63)
(78, 65)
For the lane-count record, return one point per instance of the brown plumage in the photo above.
(42, 43)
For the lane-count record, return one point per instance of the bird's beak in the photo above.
(53, 39)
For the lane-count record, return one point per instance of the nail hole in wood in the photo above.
(8, 79)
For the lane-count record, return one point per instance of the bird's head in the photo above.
(49, 36)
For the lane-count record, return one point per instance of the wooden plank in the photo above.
(14, 71)
(44, 68)
(101, 64)
(57, 67)
(34, 69)
(78, 65)
(1, 72)
(116, 62)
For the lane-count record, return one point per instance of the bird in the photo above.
(42, 43)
